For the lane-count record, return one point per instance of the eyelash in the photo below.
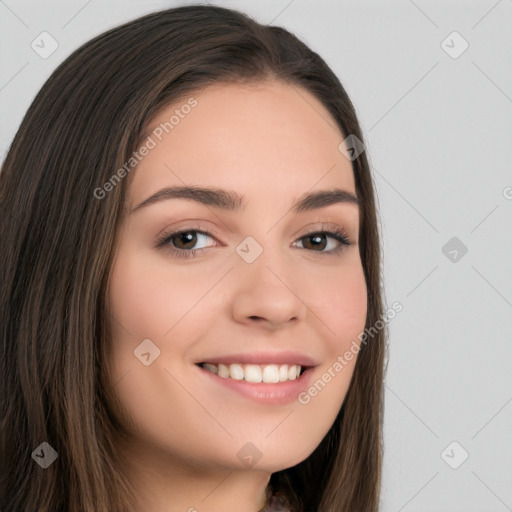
(164, 241)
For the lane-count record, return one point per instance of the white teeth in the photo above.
(254, 373)
(271, 373)
(223, 371)
(236, 371)
(292, 372)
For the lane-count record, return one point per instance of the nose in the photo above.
(267, 294)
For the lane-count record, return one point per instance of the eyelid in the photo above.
(318, 227)
(192, 226)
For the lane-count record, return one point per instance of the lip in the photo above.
(285, 357)
(279, 393)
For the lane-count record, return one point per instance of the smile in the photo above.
(270, 373)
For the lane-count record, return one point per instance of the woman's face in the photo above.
(266, 285)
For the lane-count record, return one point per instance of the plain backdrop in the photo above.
(432, 84)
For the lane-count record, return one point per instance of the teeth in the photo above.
(236, 371)
(254, 373)
(211, 367)
(271, 373)
(223, 370)
(292, 373)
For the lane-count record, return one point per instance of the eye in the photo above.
(183, 243)
(325, 241)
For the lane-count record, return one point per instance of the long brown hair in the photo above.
(58, 241)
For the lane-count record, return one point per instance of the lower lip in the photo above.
(280, 393)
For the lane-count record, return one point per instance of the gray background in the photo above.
(439, 137)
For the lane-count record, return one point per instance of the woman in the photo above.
(190, 265)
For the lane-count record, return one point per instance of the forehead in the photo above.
(266, 140)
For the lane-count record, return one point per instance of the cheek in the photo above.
(146, 300)
(341, 307)
(339, 298)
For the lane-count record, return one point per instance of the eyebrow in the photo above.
(231, 201)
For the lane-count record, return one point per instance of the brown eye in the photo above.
(184, 240)
(315, 241)
(325, 242)
(187, 242)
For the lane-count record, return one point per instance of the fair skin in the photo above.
(271, 145)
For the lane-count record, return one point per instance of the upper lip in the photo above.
(285, 357)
